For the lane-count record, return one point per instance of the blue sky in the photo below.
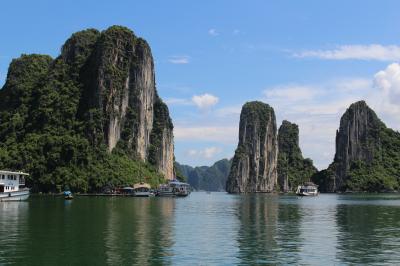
(307, 59)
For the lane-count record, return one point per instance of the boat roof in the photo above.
(310, 184)
(177, 182)
(2, 172)
(139, 185)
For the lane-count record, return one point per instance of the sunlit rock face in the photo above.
(254, 166)
(119, 87)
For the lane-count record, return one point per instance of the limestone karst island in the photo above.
(199, 133)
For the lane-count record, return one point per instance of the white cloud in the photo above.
(204, 101)
(236, 32)
(213, 32)
(206, 153)
(387, 94)
(388, 81)
(358, 52)
(179, 59)
(177, 101)
(291, 92)
(225, 134)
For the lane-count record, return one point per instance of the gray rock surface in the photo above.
(254, 166)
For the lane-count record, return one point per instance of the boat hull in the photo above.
(304, 194)
(166, 194)
(15, 195)
(141, 194)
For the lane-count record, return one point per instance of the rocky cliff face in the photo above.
(367, 155)
(120, 83)
(254, 166)
(293, 169)
(355, 140)
(96, 104)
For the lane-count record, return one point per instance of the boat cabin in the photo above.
(308, 189)
(12, 181)
(141, 187)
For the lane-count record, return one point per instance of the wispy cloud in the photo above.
(179, 59)
(178, 101)
(355, 52)
(213, 32)
(291, 92)
(203, 101)
(223, 134)
(206, 153)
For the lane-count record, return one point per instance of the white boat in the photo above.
(12, 186)
(174, 188)
(308, 189)
(141, 190)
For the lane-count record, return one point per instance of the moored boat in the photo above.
(141, 190)
(68, 195)
(12, 186)
(308, 189)
(174, 188)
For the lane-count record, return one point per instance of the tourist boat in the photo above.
(141, 190)
(68, 195)
(308, 189)
(12, 186)
(174, 188)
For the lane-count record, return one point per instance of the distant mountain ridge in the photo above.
(208, 178)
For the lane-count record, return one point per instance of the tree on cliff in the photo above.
(86, 118)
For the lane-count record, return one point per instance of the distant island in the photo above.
(367, 155)
(88, 119)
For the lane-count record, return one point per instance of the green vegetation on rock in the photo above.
(293, 169)
(367, 154)
(208, 178)
(53, 127)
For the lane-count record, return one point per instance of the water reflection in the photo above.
(269, 231)
(288, 237)
(202, 229)
(368, 233)
(139, 231)
(12, 231)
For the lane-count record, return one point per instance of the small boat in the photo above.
(308, 189)
(174, 188)
(68, 195)
(141, 190)
(12, 186)
(128, 191)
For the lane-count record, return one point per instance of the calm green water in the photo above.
(203, 229)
